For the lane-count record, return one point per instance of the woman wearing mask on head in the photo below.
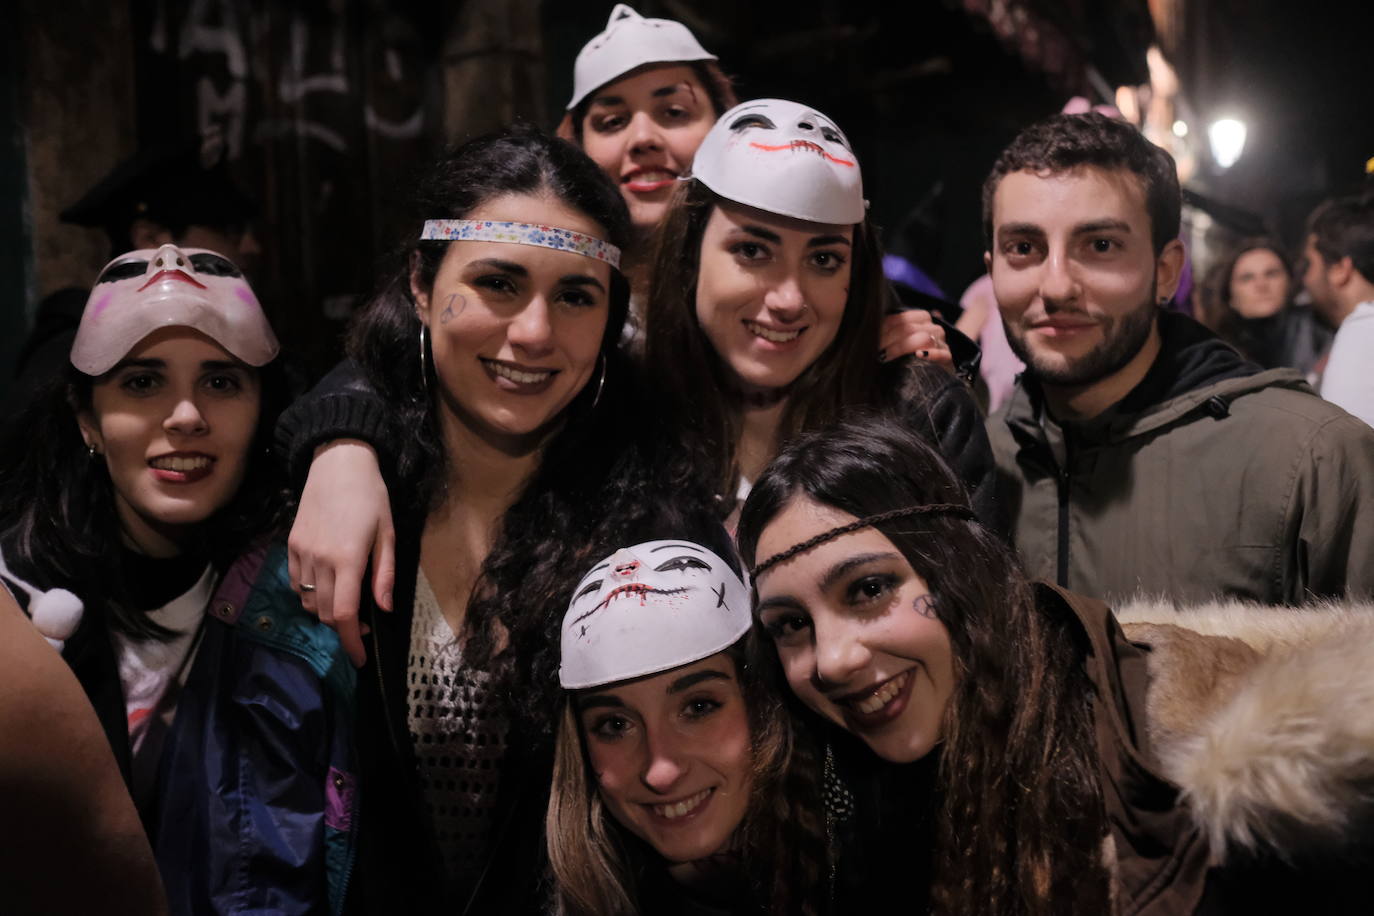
(333, 433)
(674, 757)
(493, 344)
(645, 92)
(1249, 303)
(1193, 763)
(767, 305)
(645, 95)
(129, 489)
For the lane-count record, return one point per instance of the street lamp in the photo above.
(1227, 139)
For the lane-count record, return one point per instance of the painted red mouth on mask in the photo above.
(172, 275)
(803, 146)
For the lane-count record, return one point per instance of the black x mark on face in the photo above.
(720, 596)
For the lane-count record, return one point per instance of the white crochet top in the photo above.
(458, 736)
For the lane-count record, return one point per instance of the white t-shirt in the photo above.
(147, 669)
(1348, 381)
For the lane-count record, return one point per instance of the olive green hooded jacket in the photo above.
(1212, 478)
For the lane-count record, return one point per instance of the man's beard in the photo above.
(1122, 338)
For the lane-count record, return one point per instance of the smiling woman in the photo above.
(767, 304)
(493, 347)
(674, 762)
(1068, 764)
(130, 488)
(645, 93)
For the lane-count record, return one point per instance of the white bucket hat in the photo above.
(631, 41)
(139, 292)
(784, 158)
(651, 608)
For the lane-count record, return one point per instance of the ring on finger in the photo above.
(305, 588)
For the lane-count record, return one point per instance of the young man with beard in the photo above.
(1339, 276)
(1139, 453)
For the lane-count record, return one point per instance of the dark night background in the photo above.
(331, 105)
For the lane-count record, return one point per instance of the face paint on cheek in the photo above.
(448, 314)
(925, 606)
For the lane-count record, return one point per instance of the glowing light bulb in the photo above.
(1227, 138)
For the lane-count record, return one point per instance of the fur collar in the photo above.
(1264, 717)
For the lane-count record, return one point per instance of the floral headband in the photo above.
(484, 230)
(935, 509)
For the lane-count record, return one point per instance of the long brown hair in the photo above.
(1215, 309)
(1020, 821)
(702, 398)
(597, 863)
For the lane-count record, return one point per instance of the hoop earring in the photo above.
(600, 383)
(424, 359)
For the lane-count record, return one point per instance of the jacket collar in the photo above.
(1195, 370)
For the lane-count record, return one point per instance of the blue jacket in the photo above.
(260, 800)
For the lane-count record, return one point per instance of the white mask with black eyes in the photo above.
(783, 158)
(139, 292)
(649, 608)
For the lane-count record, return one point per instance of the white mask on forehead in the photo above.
(630, 41)
(785, 158)
(142, 291)
(650, 608)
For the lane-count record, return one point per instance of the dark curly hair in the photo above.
(1063, 142)
(1020, 818)
(589, 483)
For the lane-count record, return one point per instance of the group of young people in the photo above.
(643, 563)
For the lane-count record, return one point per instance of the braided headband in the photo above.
(934, 509)
(485, 230)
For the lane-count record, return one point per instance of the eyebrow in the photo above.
(599, 701)
(1019, 229)
(145, 363)
(1102, 225)
(844, 567)
(519, 270)
(688, 681)
(820, 240)
(759, 232)
(581, 280)
(208, 365)
(659, 93)
(676, 546)
(499, 264)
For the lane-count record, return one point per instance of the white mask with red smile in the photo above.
(785, 158)
(650, 608)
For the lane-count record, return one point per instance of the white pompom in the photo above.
(55, 614)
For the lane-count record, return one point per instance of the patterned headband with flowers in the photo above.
(485, 230)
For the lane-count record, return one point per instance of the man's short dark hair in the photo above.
(1344, 228)
(1064, 142)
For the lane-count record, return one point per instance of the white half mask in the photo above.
(783, 158)
(139, 292)
(650, 608)
(631, 41)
